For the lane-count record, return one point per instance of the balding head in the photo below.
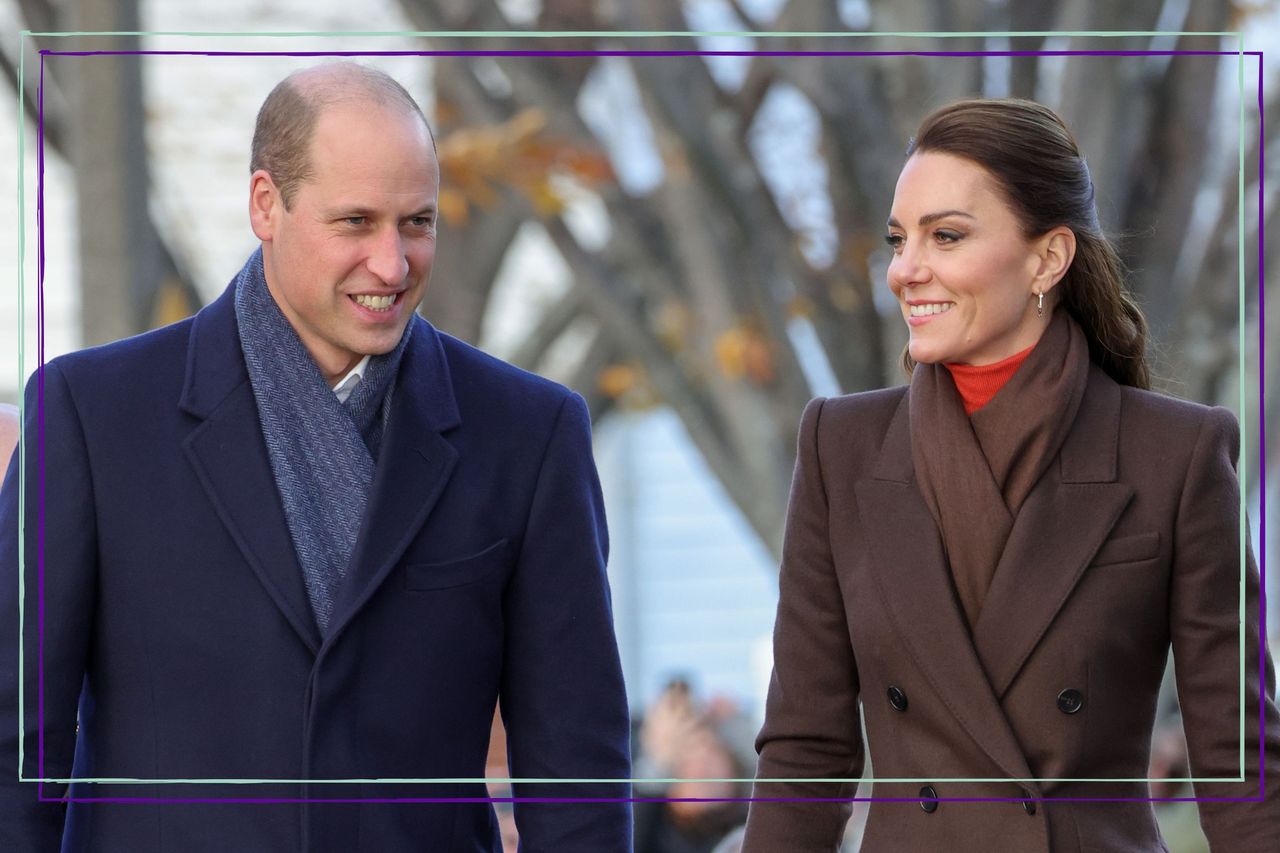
(287, 119)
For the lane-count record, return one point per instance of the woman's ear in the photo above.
(1056, 248)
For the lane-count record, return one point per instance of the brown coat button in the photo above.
(1070, 701)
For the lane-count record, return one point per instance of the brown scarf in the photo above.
(974, 473)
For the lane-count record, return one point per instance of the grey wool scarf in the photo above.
(322, 451)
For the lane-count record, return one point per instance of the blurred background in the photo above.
(693, 243)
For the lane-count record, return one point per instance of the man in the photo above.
(305, 536)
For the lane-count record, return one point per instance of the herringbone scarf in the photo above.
(322, 451)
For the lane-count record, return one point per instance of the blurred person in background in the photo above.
(993, 562)
(9, 431)
(680, 739)
(304, 535)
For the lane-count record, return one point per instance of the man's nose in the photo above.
(387, 259)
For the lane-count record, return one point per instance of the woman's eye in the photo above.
(895, 241)
(947, 236)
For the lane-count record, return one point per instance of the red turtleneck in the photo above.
(978, 384)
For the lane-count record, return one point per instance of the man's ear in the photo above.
(1056, 248)
(265, 205)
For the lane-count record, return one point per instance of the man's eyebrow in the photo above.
(931, 217)
(343, 211)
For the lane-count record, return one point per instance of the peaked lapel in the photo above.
(414, 465)
(910, 572)
(1064, 520)
(230, 459)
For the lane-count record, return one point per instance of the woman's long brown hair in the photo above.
(1036, 163)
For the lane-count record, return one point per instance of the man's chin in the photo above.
(378, 344)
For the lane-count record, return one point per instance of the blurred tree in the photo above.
(713, 275)
(706, 276)
(93, 118)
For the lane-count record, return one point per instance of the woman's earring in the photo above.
(1040, 304)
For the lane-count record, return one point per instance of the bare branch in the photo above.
(55, 109)
(586, 378)
(550, 326)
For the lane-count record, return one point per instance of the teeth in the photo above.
(930, 308)
(376, 303)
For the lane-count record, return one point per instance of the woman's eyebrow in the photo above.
(931, 217)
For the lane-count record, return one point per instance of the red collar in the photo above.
(977, 384)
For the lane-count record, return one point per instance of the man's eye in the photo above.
(355, 220)
(420, 221)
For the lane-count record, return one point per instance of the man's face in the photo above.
(349, 263)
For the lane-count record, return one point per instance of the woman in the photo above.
(996, 560)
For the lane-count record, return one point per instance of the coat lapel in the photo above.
(414, 465)
(1066, 517)
(910, 572)
(230, 460)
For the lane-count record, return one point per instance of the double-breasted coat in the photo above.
(1128, 545)
(168, 634)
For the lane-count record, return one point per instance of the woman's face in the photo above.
(964, 274)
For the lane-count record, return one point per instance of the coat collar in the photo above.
(1089, 455)
(414, 465)
(230, 458)
(1064, 520)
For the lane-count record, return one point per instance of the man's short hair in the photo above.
(287, 118)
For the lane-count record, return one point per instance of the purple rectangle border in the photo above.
(40, 423)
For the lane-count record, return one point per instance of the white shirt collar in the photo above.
(349, 382)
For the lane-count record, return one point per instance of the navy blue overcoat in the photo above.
(168, 633)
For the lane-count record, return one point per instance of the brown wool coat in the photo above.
(1129, 544)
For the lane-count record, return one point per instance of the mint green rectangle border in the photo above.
(22, 448)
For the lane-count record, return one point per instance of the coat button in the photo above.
(1029, 806)
(897, 699)
(1070, 701)
(929, 799)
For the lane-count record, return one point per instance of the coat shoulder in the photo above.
(1139, 402)
(127, 362)
(1162, 422)
(1162, 433)
(865, 411)
(850, 431)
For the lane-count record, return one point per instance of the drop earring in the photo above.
(1040, 304)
